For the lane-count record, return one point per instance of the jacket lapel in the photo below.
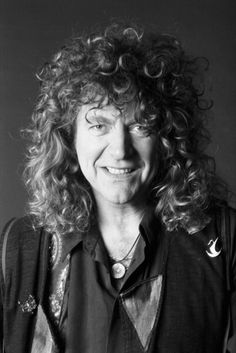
(43, 341)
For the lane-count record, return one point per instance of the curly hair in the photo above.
(123, 65)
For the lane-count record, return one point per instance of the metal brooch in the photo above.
(29, 305)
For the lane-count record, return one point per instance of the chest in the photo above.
(174, 300)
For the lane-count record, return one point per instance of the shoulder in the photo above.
(232, 216)
(220, 209)
(231, 229)
(21, 232)
(26, 224)
(226, 214)
(225, 217)
(22, 246)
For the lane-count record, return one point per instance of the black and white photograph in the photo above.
(117, 180)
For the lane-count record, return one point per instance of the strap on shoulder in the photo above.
(224, 222)
(4, 239)
(226, 238)
(4, 246)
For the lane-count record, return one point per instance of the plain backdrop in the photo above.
(31, 31)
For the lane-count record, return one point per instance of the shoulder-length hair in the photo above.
(122, 65)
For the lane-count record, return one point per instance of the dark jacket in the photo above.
(193, 312)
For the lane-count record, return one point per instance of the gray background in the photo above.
(31, 31)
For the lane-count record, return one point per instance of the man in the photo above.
(123, 249)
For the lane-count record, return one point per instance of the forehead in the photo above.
(96, 109)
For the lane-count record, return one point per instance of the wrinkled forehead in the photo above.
(102, 106)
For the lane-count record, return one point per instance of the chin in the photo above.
(117, 197)
(123, 198)
(119, 200)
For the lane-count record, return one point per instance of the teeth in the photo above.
(119, 171)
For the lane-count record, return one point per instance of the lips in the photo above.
(119, 171)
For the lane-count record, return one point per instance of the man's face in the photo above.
(115, 153)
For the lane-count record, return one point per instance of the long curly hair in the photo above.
(122, 64)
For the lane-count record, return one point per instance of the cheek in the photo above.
(151, 160)
(149, 153)
(82, 152)
(88, 152)
(84, 158)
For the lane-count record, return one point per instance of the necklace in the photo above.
(119, 267)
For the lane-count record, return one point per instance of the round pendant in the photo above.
(118, 270)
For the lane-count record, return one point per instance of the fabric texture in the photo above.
(43, 341)
(142, 308)
(174, 297)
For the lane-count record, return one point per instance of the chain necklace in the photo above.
(119, 268)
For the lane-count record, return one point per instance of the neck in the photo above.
(119, 226)
(119, 216)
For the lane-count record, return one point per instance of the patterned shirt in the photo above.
(62, 272)
(172, 299)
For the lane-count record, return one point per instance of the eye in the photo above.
(140, 130)
(98, 129)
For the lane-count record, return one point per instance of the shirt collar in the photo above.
(150, 229)
(69, 242)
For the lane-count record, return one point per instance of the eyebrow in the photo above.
(95, 114)
(98, 118)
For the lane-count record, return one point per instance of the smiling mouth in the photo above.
(119, 171)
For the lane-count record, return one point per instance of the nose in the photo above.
(120, 144)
